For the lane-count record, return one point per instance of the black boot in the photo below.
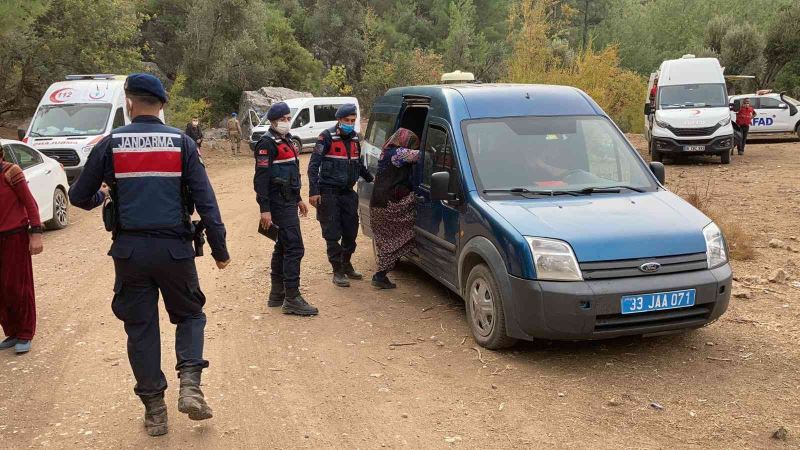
(351, 273)
(276, 294)
(339, 278)
(155, 415)
(190, 399)
(296, 304)
(381, 281)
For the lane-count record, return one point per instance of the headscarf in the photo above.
(403, 137)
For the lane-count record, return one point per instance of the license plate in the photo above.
(695, 148)
(632, 304)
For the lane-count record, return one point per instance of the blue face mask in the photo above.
(346, 128)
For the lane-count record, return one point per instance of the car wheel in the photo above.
(797, 130)
(299, 144)
(485, 309)
(60, 211)
(655, 155)
(726, 157)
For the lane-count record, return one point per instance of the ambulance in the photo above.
(74, 115)
(689, 114)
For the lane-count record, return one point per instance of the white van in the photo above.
(310, 116)
(74, 115)
(690, 113)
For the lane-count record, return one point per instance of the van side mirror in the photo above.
(21, 133)
(648, 109)
(658, 170)
(440, 185)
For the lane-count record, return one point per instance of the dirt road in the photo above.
(335, 381)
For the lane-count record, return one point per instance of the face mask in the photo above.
(346, 128)
(282, 127)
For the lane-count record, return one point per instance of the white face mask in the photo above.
(282, 127)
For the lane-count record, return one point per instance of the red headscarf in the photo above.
(403, 137)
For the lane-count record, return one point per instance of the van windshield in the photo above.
(71, 120)
(693, 96)
(557, 154)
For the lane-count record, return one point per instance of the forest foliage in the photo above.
(209, 51)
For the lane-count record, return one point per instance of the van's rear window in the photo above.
(71, 120)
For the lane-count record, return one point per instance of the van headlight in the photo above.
(554, 260)
(662, 124)
(716, 253)
(724, 121)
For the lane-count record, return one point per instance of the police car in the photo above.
(776, 114)
(47, 181)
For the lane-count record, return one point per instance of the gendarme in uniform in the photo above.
(156, 180)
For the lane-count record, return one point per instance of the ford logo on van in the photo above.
(650, 267)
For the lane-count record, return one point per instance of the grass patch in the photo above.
(736, 235)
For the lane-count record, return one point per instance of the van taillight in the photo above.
(25, 140)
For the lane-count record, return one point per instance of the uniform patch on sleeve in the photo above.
(262, 162)
(263, 152)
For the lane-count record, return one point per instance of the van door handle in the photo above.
(48, 171)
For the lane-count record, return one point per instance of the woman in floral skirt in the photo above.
(392, 206)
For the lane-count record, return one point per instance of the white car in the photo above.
(46, 180)
(776, 114)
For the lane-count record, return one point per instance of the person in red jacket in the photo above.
(744, 117)
(20, 237)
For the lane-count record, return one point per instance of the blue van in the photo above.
(536, 210)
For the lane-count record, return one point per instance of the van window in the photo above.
(70, 120)
(25, 157)
(438, 157)
(378, 131)
(302, 119)
(692, 96)
(119, 119)
(325, 113)
(380, 128)
(552, 153)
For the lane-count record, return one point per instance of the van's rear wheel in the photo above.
(485, 309)
(60, 218)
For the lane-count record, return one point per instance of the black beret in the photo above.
(278, 110)
(145, 83)
(348, 109)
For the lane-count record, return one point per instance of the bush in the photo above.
(738, 238)
(180, 108)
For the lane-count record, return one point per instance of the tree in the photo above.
(67, 36)
(464, 47)
(741, 50)
(335, 82)
(536, 58)
(783, 43)
(335, 29)
(716, 31)
(234, 45)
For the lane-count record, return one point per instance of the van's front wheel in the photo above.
(655, 155)
(485, 313)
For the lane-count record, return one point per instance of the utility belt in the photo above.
(198, 237)
(284, 186)
(333, 190)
